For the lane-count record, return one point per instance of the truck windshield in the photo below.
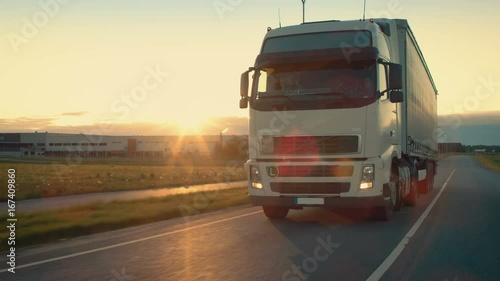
(330, 82)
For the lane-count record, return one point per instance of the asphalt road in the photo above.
(452, 234)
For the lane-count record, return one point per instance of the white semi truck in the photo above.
(342, 114)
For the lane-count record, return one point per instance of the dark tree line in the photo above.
(488, 148)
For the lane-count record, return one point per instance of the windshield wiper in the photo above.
(275, 94)
(329, 94)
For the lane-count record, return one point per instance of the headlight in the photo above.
(367, 177)
(255, 177)
(267, 144)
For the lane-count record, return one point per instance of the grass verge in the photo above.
(35, 180)
(49, 226)
(442, 156)
(491, 162)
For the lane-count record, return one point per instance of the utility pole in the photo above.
(303, 11)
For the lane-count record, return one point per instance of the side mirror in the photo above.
(244, 84)
(243, 102)
(396, 96)
(244, 88)
(395, 76)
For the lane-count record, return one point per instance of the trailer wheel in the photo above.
(384, 213)
(275, 212)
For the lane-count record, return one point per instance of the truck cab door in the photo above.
(389, 112)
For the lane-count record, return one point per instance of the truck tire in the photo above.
(384, 213)
(275, 212)
(411, 199)
(399, 191)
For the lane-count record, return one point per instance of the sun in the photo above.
(191, 124)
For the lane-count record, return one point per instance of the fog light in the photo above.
(366, 185)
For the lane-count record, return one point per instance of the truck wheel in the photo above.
(399, 193)
(384, 213)
(274, 212)
(411, 199)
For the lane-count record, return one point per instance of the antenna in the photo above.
(304, 11)
(364, 11)
(279, 16)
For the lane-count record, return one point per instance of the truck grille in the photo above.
(310, 187)
(310, 145)
(314, 171)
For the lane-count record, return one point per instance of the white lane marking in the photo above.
(379, 272)
(129, 242)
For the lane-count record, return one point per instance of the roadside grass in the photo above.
(36, 180)
(491, 161)
(49, 226)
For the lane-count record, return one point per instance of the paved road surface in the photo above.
(457, 241)
(54, 203)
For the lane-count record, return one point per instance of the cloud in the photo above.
(470, 119)
(76, 114)
(24, 124)
(479, 128)
(234, 125)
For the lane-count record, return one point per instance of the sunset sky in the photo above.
(68, 65)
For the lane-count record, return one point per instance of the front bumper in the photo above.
(329, 202)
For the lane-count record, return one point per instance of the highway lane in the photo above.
(460, 240)
(456, 241)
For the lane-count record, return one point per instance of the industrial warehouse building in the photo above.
(59, 145)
